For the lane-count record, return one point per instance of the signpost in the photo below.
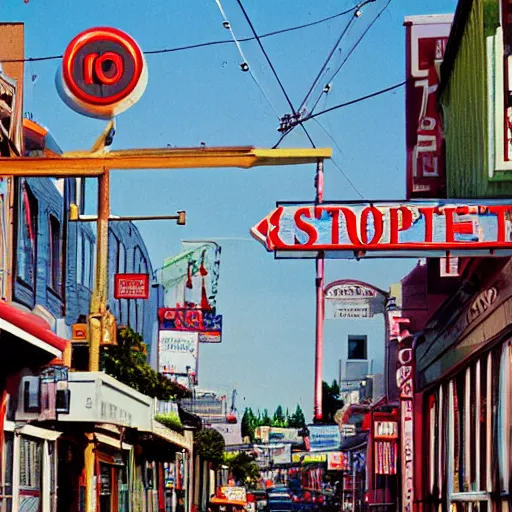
(131, 286)
(388, 229)
(353, 299)
(103, 73)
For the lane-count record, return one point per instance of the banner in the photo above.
(309, 458)
(191, 278)
(426, 39)
(324, 437)
(177, 352)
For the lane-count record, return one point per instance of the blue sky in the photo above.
(202, 96)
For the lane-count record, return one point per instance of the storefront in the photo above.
(463, 400)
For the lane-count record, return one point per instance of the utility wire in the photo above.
(358, 42)
(349, 181)
(207, 43)
(245, 63)
(357, 100)
(342, 105)
(253, 30)
(331, 53)
(255, 34)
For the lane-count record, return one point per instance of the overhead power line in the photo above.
(352, 50)
(208, 43)
(356, 100)
(342, 105)
(356, 10)
(274, 71)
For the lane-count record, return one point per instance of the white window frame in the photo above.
(41, 435)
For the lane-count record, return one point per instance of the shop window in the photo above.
(6, 474)
(357, 346)
(27, 237)
(106, 491)
(30, 474)
(55, 263)
(485, 418)
(503, 418)
(431, 439)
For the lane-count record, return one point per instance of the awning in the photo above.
(31, 328)
(354, 442)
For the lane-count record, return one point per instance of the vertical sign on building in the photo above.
(506, 14)
(426, 39)
(405, 383)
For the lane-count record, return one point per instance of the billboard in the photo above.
(389, 229)
(426, 40)
(323, 438)
(353, 299)
(231, 432)
(177, 352)
(207, 323)
(338, 461)
(278, 434)
(275, 453)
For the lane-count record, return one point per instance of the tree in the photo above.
(127, 363)
(209, 444)
(265, 419)
(248, 424)
(279, 419)
(243, 468)
(331, 401)
(297, 419)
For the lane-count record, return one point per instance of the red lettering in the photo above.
(377, 223)
(335, 227)
(306, 227)
(274, 221)
(89, 67)
(406, 221)
(94, 72)
(351, 224)
(453, 227)
(500, 212)
(428, 213)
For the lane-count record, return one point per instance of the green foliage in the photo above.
(331, 401)
(265, 419)
(279, 419)
(127, 362)
(242, 467)
(170, 420)
(209, 444)
(297, 419)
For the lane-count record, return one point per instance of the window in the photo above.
(27, 236)
(87, 277)
(30, 466)
(121, 269)
(55, 263)
(79, 257)
(357, 347)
